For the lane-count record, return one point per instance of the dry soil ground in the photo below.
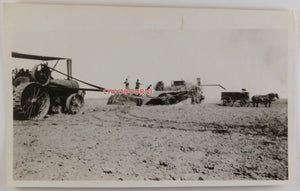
(177, 142)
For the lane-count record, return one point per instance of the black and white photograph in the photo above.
(158, 95)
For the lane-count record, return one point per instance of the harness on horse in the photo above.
(266, 99)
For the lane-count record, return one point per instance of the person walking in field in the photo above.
(126, 84)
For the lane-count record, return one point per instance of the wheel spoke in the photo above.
(37, 93)
(31, 91)
(28, 108)
(34, 91)
(27, 93)
(41, 102)
(36, 110)
(34, 113)
(42, 94)
(29, 116)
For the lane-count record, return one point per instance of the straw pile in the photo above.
(124, 100)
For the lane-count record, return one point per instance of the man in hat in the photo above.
(138, 84)
(126, 84)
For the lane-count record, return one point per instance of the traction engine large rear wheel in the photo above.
(74, 103)
(31, 100)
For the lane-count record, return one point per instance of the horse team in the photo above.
(264, 99)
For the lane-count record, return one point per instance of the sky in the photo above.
(109, 44)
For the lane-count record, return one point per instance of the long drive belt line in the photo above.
(89, 84)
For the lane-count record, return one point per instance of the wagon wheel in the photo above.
(74, 103)
(243, 103)
(41, 73)
(227, 101)
(31, 100)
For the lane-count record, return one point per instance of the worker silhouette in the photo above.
(149, 87)
(138, 84)
(126, 84)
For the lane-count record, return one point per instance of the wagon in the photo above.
(229, 98)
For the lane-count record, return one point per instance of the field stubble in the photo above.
(177, 142)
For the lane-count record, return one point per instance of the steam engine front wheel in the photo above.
(74, 103)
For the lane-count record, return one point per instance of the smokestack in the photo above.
(69, 68)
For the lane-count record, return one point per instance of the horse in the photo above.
(266, 99)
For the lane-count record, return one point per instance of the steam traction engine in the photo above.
(35, 92)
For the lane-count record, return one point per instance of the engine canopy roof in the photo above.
(36, 57)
